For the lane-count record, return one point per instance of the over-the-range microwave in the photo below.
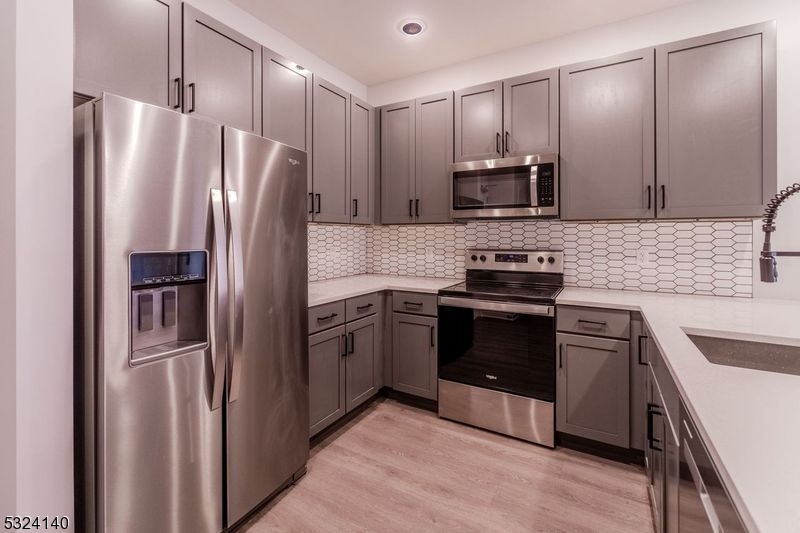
(513, 187)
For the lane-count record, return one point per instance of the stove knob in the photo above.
(540, 259)
(483, 258)
(551, 259)
(474, 257)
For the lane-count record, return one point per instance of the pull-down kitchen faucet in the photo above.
(767, 262)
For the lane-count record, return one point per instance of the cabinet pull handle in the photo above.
(343, 341)
(433, 343)
(507, 144)
(642, 350)
(319, 203)
(497, 144)
(663, 197)
(592, 323)
(652, 409)
(177, 95)
(355, 207)
(191, 89)
(412, 304)
(363, 307)
(560, 356)
(417, 206)
(410, 207)
(352, 348)
(326, 318)
(311, 203)
(649, 197)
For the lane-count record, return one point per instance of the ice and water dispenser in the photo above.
(168, 304)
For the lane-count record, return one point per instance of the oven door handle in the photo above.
(489, 305)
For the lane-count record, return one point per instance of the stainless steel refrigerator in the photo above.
(191, 328)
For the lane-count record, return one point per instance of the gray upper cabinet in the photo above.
(434, 153)
(716, 116)
(414, 369)
(607, 138)
(362, 369)
(530, 114)
(479, 122)
(593, 388)
(331, 181)
(286, 103)
(362, 162)
(222, 72)
(129, 47)
(326, 378)
(397, 163)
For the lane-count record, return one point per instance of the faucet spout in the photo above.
(767, 262)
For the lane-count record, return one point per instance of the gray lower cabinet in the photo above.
(222, 72)
(716, 123)
(362, 371)
(638, 370)
(362, 162)
(607, 161)
(331, 153)
(414, 355)
(416, 150)
(655, 460)
(479, 122)
(326, 378)
(592, 388)
(530, 114)
(129, 47)
(286, 91)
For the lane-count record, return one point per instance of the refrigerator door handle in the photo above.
(219, 318)
(236, 263)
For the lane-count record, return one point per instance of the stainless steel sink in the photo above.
(781, 358)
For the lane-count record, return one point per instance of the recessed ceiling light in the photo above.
(412, 26)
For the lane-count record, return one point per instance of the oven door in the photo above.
(512, 187)
(501, 346)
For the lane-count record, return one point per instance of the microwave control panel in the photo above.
(545, 185)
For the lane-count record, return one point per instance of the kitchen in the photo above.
(659, 317)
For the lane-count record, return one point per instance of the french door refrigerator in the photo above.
(191, 328)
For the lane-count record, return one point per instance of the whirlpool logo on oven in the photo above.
(490, 377)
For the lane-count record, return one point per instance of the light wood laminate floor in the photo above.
(397, 468)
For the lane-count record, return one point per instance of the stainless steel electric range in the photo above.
(497, 343)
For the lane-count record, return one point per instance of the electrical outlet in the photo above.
(430, 252)
(644, 257)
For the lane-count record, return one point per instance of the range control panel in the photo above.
(550, 261)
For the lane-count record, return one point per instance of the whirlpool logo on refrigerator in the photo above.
(294, 162)
(490, 377)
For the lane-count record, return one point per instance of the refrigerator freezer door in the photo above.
(158, 442)
(267, 419)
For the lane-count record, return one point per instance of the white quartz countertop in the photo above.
(749, 419)
(322, 292)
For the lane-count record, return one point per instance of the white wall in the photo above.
(696, 18)
(8, 418)
(43, 254)
(248, 25)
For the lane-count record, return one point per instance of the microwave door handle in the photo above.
(236, 261)
(534, 190)
(219, 317)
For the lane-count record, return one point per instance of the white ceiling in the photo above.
(360, 37)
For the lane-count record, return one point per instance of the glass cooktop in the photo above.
(503, 291)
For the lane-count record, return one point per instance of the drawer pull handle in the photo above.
(363, 307)
(412, 304)
(592, 323)
(326, 318)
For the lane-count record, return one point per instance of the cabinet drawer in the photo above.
(362, 306)
(325, 316)
(415, 303)
(598, 322)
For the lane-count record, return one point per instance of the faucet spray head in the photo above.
(769, 268)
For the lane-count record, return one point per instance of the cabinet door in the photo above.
(434, 153)
(607, 138)
(716, 123)
(326, 378)
(129, 47)
(222, 70)
(478, 122)
(592, 388)
(362, 161)
(414, 355)
(638, 364)
(331, 183)
(363, 350)
(530, 114)
(397, 163)
(286, 104)
(654, 450)
(671, 477)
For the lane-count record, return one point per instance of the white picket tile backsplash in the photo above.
(707, 257)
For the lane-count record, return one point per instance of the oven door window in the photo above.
(492, 188)
(507, 352)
